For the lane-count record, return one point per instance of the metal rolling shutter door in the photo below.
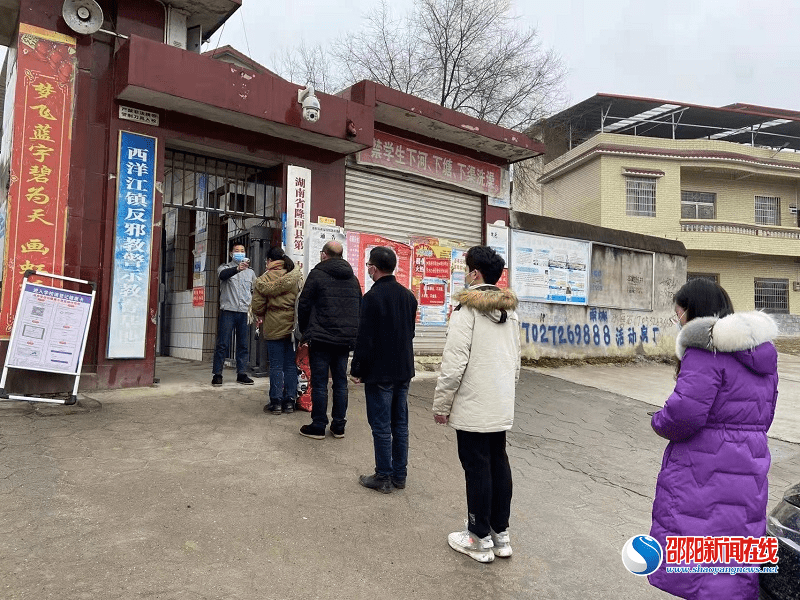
(399, 209)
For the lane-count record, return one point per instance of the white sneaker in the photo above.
(502, 543)
(468, 543)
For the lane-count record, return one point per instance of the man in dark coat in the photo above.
(327, 314)
(384, 361)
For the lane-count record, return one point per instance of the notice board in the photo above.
(49, 329)
(621, 278)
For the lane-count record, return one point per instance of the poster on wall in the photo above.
(438, 275)
(359, 246)
(318, 236)
(497, 239)
(36, 207)
(549, 269)
(133, 246)
(50, 329)
(298, 213)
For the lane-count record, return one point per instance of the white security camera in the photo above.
(310, 104)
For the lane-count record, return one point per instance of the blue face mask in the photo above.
(238, 256)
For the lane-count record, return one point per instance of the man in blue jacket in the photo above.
(384, 361)
(327, 314)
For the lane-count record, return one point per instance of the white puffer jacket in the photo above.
(480, 362)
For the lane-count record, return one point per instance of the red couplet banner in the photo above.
(36, 211)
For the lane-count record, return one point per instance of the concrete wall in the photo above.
(577, 332)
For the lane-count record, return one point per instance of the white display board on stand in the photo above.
(49, 333)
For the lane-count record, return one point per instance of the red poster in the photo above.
(364, 242)
(40, 160)
(438, 268)
(503, 281)
(431, 294)
(198, 296)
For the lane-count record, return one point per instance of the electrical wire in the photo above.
(244, 30)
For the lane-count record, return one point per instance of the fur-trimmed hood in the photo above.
(741, 334)
(490, 300)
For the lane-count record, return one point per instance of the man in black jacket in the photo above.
(327, 314)
(384, 361)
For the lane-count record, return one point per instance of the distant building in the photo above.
(723, 181)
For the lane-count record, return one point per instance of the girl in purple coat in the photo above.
(713, 479)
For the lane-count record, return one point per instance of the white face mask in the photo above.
(676, 320)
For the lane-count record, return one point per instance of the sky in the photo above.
(707, 52)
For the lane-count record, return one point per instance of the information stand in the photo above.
(49, 333)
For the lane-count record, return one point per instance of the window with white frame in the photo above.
(772, 295)
(768, 210)
(640, 195)
(698, 205)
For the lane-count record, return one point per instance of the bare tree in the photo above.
(385, 51)
(468, 55)
(307, 64)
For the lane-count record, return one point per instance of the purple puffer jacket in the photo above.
(713, 479)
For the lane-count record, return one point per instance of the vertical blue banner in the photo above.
(133, 245)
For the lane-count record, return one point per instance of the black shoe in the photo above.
(400, 484)
(243, 379)
(313, 432)
(288, 407)
(216, 381)
(381, 483)
(337, 432)
(273, 407)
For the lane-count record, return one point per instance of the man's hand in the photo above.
(441, 419)
(355, 379)
(243, 265)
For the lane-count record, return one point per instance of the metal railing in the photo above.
(740, 228)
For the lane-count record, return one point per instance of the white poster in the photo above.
(298, 214)
(497, 239)
(318, 236)
(49, 329)
(549, 269)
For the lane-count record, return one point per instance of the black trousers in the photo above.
(488, 475)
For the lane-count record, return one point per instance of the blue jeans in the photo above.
(230, 321)
(321, 359)
(387, 413)
(282, 369)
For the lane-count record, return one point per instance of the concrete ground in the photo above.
(187, 491)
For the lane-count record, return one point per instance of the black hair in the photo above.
(703, 298)
(383, 258)
(277, 253)
(232, 243)
(487, 261)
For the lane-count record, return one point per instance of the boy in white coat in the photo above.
(475, 395)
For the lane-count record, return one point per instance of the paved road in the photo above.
(189, 491)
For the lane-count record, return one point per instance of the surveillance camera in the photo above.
(310, 104)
